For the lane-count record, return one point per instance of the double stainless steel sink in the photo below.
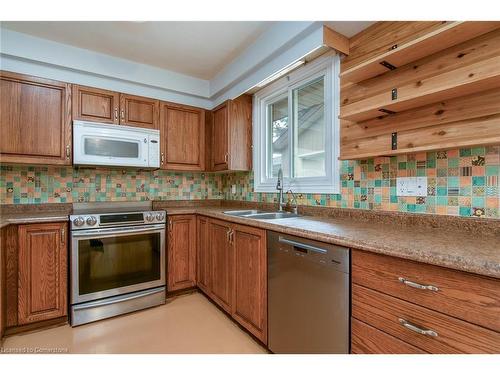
(261, 215)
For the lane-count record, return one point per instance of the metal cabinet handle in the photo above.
(116, 113)
(227, 235)
(231, 236)
(63, 236)
(226, 157)
(122, 114)
(414, 328)
(416, 285)
(170, 225)
(162, 158)
(68, 151)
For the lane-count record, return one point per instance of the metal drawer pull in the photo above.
(418, 286)
(422, 331)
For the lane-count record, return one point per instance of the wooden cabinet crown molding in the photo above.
(35, 120)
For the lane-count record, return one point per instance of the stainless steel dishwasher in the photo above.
(308, 295)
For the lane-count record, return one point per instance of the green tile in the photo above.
(478, 181)
(453, 162)
(477, 202)
(464, 211)
(492, 170)
(465, 152)
(477, 151)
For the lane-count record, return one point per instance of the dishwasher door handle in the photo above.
(302, 245)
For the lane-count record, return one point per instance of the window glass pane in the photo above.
(278, 147)
(309, 130)
(109, 147)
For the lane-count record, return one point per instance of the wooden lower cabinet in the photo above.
(250, 279)
(203, 259)
(42, 272)
(222, 264)
(401, 306)
(181, 252)
(232, 270)
(368, 340)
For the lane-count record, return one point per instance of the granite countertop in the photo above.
(455, 249)
(461, 249)
(35, 217)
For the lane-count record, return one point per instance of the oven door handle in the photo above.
(112, 301)
(117, 231)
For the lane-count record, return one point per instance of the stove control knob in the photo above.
(150, 217)
(160, 216)
(91, 220)
(78, 221)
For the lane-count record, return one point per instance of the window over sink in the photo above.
(296, 130)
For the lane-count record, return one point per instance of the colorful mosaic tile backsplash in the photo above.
(461, 182)
(30, 184)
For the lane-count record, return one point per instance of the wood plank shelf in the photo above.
(479, 131)
(476, 77)
(450, 34)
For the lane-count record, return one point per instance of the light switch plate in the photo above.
(411, 186)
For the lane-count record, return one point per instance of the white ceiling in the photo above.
(198, 49)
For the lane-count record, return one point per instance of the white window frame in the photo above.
(327, 66)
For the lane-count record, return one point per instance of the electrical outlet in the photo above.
(411, 186)
(233, 189)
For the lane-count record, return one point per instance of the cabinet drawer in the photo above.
(473, 298)
(450, 335)
(368, 340)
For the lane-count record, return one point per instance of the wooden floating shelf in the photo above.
(476, 77)
(465, 133)
(450, 34)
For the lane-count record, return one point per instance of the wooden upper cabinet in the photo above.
(232, 135)
(203, 261)
(182, 132)
(139, 111)
(220, 138)
(92, 104)
(222, 263)
(250, 280)
(42, 286)
(181, 257)
(35, 120)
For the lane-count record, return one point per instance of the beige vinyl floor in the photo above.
(186, 324)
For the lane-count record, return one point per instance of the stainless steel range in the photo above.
(117, 259)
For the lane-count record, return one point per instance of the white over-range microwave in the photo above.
(115, 145)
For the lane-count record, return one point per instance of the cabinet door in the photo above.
(93, 104)
(42, 287)
(250, 285)
(181, 267)
(139, 111)
(203, 261)
(220, 138)
(222, 263)
(35, 120)
(182, 132)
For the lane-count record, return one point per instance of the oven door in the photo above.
(112, 261)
